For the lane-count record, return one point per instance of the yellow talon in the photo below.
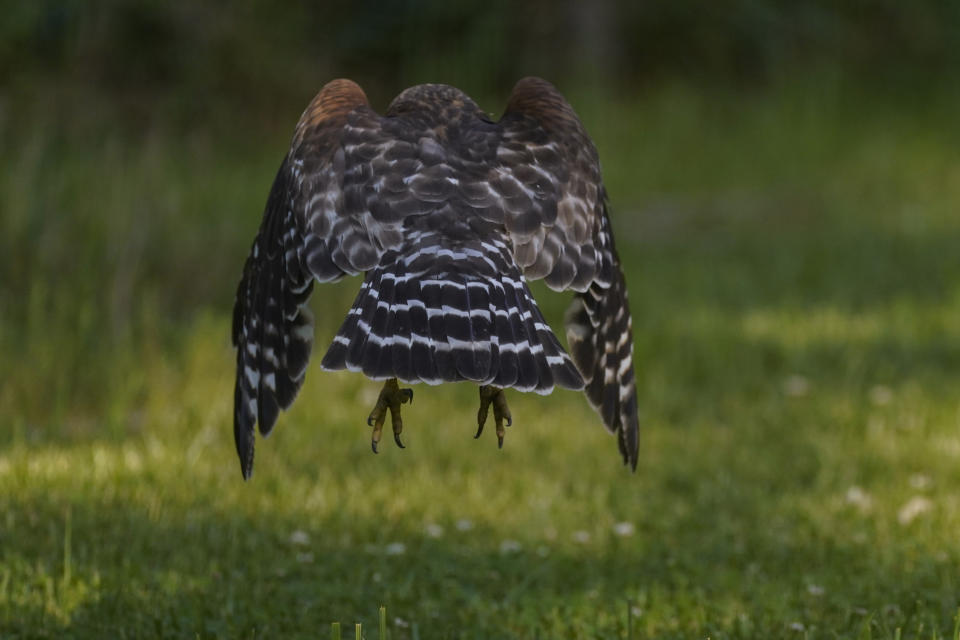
(391, 397)
(501, 412)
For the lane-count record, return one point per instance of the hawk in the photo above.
(449, 214)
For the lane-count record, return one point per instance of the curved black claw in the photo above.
(373, 445)
(479, 431)
(396, 438)
(509, 420)
(409, 394)
(370, 421)
(499, 442)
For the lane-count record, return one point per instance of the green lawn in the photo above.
(793, 260)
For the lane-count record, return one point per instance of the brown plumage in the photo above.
(448, 213)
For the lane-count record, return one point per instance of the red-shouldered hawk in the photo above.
(448, 214)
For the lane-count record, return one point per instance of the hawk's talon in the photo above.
(391, 397)
(501, 412)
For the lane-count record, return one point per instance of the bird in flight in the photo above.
(448, 214)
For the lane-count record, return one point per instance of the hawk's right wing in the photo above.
(303, 236)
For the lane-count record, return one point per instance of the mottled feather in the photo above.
(449, 214)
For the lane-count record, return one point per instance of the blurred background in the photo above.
(784, 178)
(140, 137)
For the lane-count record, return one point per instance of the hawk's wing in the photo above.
(272, 326)
(548, 176)
(339, 202)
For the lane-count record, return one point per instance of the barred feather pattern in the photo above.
(272, 326)
(600, 337)
(437, 311)
(448, 213)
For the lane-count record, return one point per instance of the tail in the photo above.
(451, 326)
(600, 335)
(272, 328)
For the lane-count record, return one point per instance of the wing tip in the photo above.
(538, 97)
(336, 99)
(532, 84)
(342, 88)
(244, 438)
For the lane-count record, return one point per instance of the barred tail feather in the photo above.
(448, 327)
(600, 336)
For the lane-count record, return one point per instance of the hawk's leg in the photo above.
(391, 397)
(501, 412)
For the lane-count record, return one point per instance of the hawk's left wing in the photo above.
(548, 177)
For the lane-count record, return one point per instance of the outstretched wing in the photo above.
(272, 326)
(352, 178)
(548, 179)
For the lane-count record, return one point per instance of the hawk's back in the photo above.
(447, 302)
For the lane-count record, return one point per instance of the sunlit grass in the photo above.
(798, 343)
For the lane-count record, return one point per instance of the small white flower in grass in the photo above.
(815, 590)
(376, 577)
(636, 611)
(510, 546)
(859, 498)
(624, 529)
(299, 537)
(798, 627)
(395, 549)
(920, 481)
(881, 395)
(305, 558)
(915, 507)
(796, 386)
(400, 622)
(464, 525)
(583, 537)
(434, 530)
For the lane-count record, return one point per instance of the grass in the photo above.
(794, 275)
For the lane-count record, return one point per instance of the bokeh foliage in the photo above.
(258, 49)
